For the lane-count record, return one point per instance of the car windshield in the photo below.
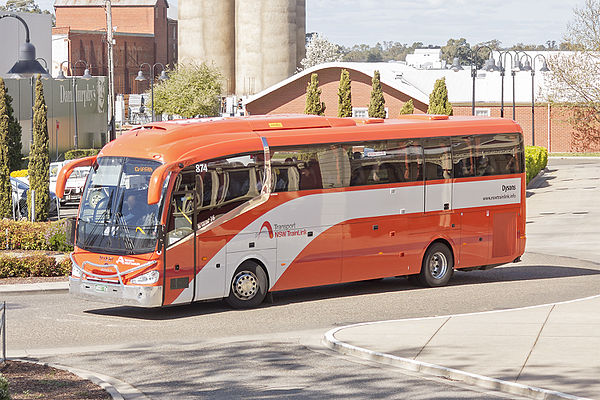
(115, 216)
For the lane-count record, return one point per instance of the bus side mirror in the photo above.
(67, 169)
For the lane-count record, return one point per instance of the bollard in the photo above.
(57, 209)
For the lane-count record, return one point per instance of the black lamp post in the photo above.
(86, 75)
(489, 65)
(502, 63)
(140, 77)
(543, 69)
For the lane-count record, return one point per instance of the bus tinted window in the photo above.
(385, 162)
(310, 167)
(499, 154)
(438, 159)
(463, 157)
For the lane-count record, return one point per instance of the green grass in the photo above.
(574, 154)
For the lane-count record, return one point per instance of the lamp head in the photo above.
(545, 67)
(140, 76)
(60, 76)
(86, 74)
(527, 66)
(456, 65)
(163, 76)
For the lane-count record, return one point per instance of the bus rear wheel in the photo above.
(248, 286)
(437, 267)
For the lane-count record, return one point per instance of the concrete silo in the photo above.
(300, 31)
(207, 34)
(265, 41)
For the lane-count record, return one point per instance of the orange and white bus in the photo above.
(190, 210)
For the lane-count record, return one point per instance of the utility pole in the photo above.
(111, 73)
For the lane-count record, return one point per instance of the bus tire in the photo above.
(437, 267)
(248, 286)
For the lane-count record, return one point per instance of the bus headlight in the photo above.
(75, 272)
(146, 279)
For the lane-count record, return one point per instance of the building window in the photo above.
(482, 112)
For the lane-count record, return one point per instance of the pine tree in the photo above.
(377, 104)
(407, 108)
(15, 157)
(438, 99)
(5, 187)
(314, 105)
(345, 95)
(39, 157)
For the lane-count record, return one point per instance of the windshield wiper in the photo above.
(120, 222)
(91, 237)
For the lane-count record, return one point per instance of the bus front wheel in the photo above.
(248, 286)
(437, 266)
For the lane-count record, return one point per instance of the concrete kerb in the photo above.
(117, 389)
(485, 382)
(35, 288)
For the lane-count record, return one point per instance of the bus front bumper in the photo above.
(141, 296)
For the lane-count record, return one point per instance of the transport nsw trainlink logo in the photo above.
(287, 230)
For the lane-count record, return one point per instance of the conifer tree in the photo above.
(15, 157)
(407, 108)
(438, 99)
(5, 188)
(314, 105)
(345, 95)
(377, 103)
(39, 157)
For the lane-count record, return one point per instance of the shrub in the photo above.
(4, 395)
(20, 173)
(80, 153)
(25, 235)
(536, 159)
(34, 265)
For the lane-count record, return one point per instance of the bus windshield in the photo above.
(115, 216)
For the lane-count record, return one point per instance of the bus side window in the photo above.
(438, 159)
(463, 156)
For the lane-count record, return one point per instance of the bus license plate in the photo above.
(100, 288)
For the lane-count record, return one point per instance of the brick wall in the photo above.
(292, 97)
(126, 19)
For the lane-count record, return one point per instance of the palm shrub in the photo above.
(377, 103)
(314, 106)
(345, 95)
(5, 188)
(39, 157)
(407, 108)
(438, 99)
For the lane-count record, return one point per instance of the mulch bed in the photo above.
(32, 381)
(33, 279)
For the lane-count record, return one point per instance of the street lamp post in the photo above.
(140, 77)
(473, 58)
(502, 63)
(86, 75)
(543, 69)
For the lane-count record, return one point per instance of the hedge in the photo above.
(536, 159)
(80, 153)
(33, 265)
(25, 235)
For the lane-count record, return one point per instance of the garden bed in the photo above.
(33, 381)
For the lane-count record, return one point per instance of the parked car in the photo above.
(75, 183)
(19, 196)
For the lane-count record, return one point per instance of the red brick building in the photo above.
(552, 127)
(142, 34)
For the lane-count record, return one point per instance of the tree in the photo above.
(314, 105)
(5, 187)
(191, 90)
(456, 48)
(438, 99)
(319, 51)
(13, 141)
(574, 78)
(345, 95)
(39, 157)
(407, 108)
(377, 103)
(25, 6)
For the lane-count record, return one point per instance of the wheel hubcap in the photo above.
(438, 265)
(245, 285)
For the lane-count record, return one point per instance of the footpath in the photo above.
(547, 352)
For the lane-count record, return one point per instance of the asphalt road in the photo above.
(206, 350)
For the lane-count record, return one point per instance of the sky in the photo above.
(350, 22)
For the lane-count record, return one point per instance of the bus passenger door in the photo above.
(180, 266)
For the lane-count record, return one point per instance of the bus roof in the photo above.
(215, 137)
